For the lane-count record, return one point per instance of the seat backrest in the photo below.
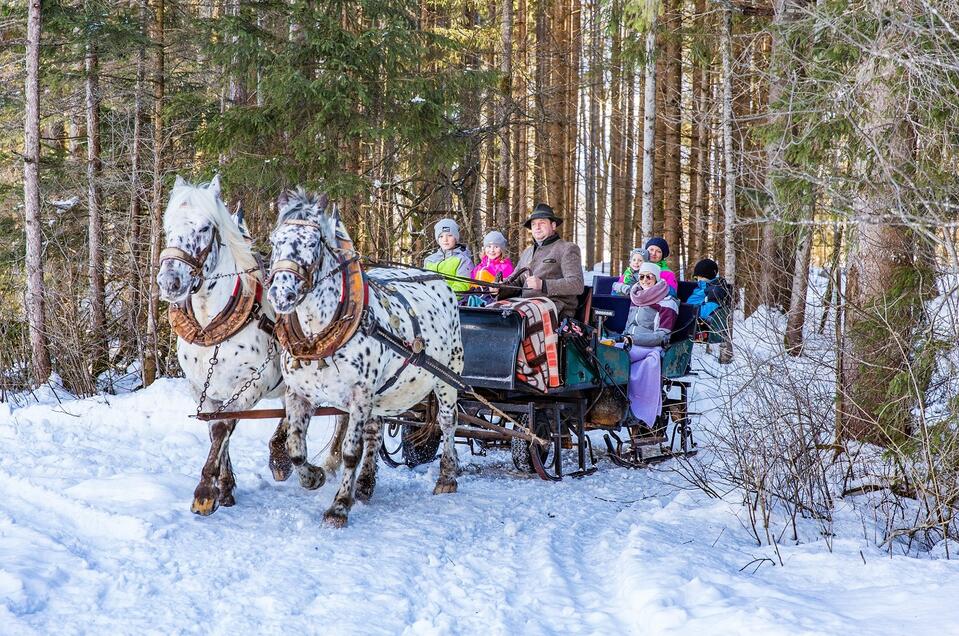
(617, 304)
(584, 305)
(685, 323)
(603, 285)
(685, 290)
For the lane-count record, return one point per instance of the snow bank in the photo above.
(96, 536)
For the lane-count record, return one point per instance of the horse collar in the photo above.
(240, 310)
(346, 319)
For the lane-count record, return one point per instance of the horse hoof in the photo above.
(203, 506)
(364, 492)
(280, 465)
(312, 478)
(334, 519)
(227, 500)
(444, 487)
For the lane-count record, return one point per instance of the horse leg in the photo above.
(298, 414)
(335, 457)
(449, 465)
(372, 439)
(206, 497)
(226, 482)
(360, 407)
(280, 464)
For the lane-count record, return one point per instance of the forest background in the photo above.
(778, 138)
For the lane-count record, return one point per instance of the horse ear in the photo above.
(336, 214)
(282, 200)
(214, 185)
(323, 202)
(180, 182)
(238, 213)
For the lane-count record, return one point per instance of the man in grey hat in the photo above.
(550, 267)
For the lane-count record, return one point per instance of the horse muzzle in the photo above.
(175, 285)
(285, 292)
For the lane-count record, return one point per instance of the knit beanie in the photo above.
(642, 252)
(495, 238)
(706, 268)
(660, 243)
(446, 226)
(650, 268)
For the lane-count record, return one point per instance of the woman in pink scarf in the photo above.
(650, 323)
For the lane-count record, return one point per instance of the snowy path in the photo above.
(96, 537)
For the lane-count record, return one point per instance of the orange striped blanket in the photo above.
(538, 358)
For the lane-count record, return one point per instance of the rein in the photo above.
(387, 264)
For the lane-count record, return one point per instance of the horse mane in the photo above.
(306, 206)
(202, 200)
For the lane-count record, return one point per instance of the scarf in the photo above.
(645, 297)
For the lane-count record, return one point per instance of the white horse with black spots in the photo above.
(207, 260)
(363, 377)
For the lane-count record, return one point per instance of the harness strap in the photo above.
(373, 329)
(414, 348)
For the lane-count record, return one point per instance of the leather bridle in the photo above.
(196, 264)
(306, 274)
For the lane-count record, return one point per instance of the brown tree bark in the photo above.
(136, 269)
(521, 202)
(505, 109)
(98, 321)
(659, 171)
(594, 227)
(699, 148)
(884, 292)
(572, 117)
(541, 118)
(35, 297)
(151, 350)
(617, 141)
(672, 123)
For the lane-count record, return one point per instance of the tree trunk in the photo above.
(617, 142)
(699, 149)
(884, 291)
(593, 226)
(541, 78)
(796, 316)
(671, 116)
(151, 352)
(626, 232)
(98, 322)
(649, 130)
(34, 301)
(572, 117)
(135, 236)
(729, 220)
(506, 68)
(521, 161)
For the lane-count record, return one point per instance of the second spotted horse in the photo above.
(371, 344)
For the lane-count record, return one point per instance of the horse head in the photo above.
(304, 248)
(197, 225)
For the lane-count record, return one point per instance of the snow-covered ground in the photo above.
(96, 536)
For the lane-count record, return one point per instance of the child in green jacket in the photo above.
(452, 258)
